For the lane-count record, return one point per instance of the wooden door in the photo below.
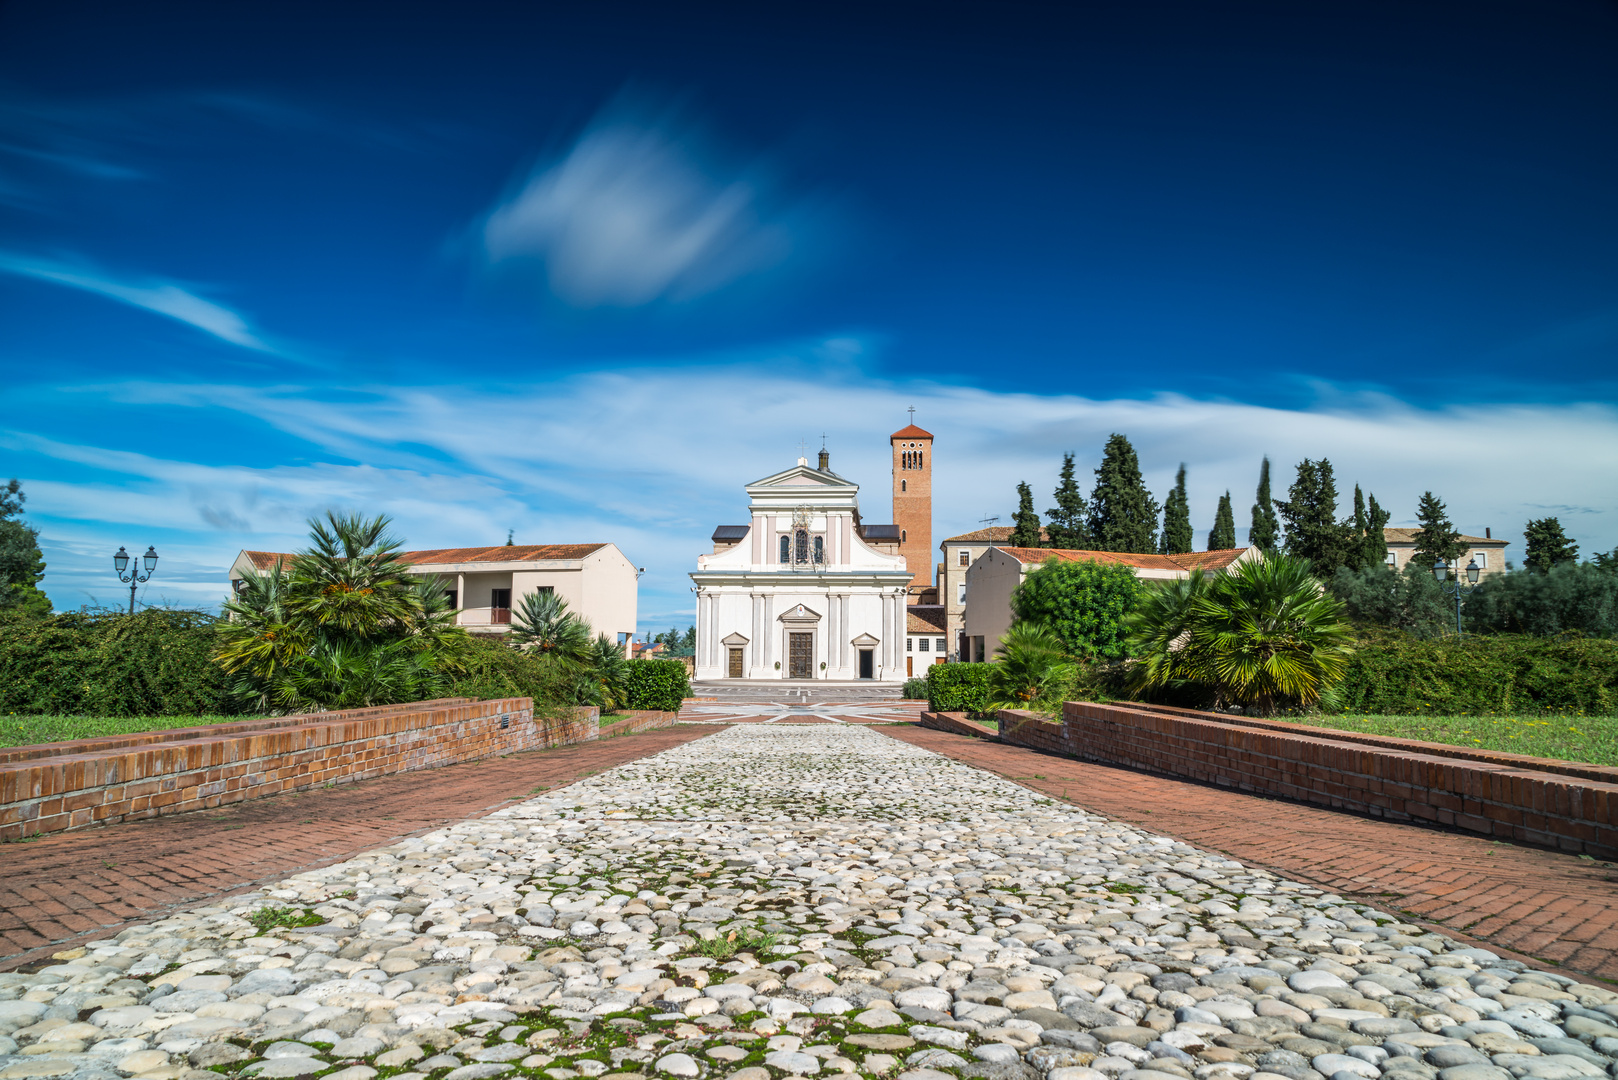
(735, 663)
(800, 656)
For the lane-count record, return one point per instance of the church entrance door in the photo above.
(800, 656)
(735, 663)
(867, 664)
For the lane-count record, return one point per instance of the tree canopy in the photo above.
(1123, 514)
(1436, 539)
(22, 564)
(1265, 533)
(1548, 545)
(1083, 603)
(1222, 537)
(1068, 527)
(1025, 522)
(1310, 513)
(1176, 538)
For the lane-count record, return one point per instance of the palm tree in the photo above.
(1159, 626)
(608, 670)
(259, 639)
(1264, 635)
(543, 623)
(1030, 669)
(352, 580)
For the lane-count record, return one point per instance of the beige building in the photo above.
(596, 580)
(995, 574)
(1489, 552)
(959, 553)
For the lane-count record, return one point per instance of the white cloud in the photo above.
(632, 214)
(651, 459)
(161, 298)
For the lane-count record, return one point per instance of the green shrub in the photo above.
(915, 689)
(156, 662)
(492, 669)
(958, 687)
(1496, 674)
(657, 684)
(1084, 603)
(1570, 596)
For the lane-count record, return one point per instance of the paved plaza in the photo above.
(794, 898)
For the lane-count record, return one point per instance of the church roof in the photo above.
(879, 532)
(911, 432)
(731, 532)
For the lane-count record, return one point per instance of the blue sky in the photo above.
(582, 271)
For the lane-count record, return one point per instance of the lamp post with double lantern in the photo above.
(122, 562)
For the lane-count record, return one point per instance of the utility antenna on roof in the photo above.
(990, 520)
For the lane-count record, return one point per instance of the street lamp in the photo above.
(1441, 573)
(120, 563)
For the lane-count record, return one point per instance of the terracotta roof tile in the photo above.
(1408, 536)
(911, 432)
(925, 618)
(996, 534)
(264, 560)
(1207, 560)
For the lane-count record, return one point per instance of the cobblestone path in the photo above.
(1554, 907)
(813, 900)
(62, 890)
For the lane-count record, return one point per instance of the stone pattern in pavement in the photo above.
(63, 889)
(795, 901)
(1555, 907)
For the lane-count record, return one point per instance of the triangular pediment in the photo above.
(865, 639)
(800, 613)
(733, 639)
(802, 476)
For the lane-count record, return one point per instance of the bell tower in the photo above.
(913, 502)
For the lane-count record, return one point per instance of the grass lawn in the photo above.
(613, 718)
(1590, 739)
(28, 730)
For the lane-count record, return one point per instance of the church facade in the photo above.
(804, 591)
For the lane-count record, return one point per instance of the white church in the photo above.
(806, 591)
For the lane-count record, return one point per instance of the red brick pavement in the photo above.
(1560, 909)
(67, 888)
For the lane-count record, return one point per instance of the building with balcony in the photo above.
(596, 580)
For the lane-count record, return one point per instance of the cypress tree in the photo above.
(1548, 545)
(1025, 522)
(1123, 514)
(1266, 531)
(1176, 538)
(1367, 539)
(1437, 538)
(1222, 537)
(1067, 525)
(1313, 531)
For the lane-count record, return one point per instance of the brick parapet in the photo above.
(1524, 799)
(638, 721)
(207, 767)
(955, 722)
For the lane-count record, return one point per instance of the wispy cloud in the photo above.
(615, 456)
(162, 298)
(637, 211)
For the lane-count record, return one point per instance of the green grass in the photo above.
(1590, 739)
(27, 730)
(612, 718)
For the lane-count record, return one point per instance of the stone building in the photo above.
(1489, 552)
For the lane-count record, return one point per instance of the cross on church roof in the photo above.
(912, 414)
(803, 447)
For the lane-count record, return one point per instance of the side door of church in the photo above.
(735, 663)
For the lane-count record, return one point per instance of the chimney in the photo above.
(1488, 534)
(825, 460)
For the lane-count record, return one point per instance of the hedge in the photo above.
(155, 662)
(958, 687)
(657, 684)
(493, 669)
(1496, 674)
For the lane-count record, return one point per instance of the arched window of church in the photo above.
(801, 539)
(820, 549)
(785, 550)
(902, 484)
(918, 459)
(904, 536)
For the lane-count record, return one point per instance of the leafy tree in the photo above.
(1310, 512)
(1577, 597)
(343, 625)
(1367, 538)
(1437, 539)
(1082, 602)
(1067, 528)
(1262, 636)
(1222, 537)
(1123, 514)
(1605, 560)
(1265, 533)
(1025, 523)
(1176, 538)
(1409, 601)
(544, 625)
(510, 533)
(22, 565)
(1548, 545)
(1030, 668)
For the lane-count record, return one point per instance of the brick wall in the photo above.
(955, 722)
(69, 785)
(645, 720)
(913, 509)
(1556, 804)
